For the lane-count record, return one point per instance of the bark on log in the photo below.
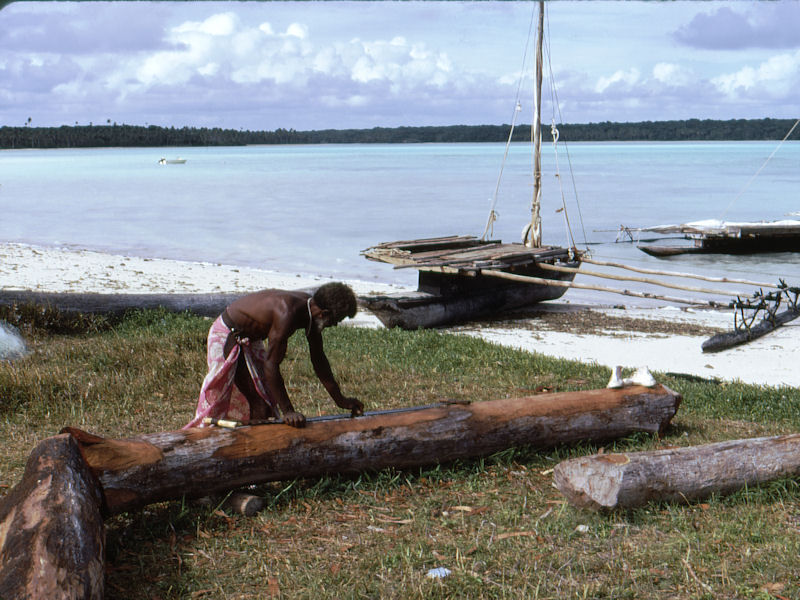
(607, 481)
(206, 305)
(51, 527)
(197, 462)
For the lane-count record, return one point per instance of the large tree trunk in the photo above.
(51, 528)
(197, 462)
(207, 305)
(606, 481)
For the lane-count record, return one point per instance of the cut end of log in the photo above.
(245, 504)
(586, 486)
(51, 529)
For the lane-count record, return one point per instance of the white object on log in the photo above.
(641, 376)
(607, 481)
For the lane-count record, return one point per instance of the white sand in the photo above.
(771, 360)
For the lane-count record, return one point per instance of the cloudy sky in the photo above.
(317, 65)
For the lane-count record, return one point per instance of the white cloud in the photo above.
(297, 30)
(223, 24)
(777, 76)
(671, 74)
(626, 78)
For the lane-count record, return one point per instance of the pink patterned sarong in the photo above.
(220, 398)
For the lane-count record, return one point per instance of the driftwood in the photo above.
(607, 481)
(207, 305)
(729, 339)
(51, 528)
(201, 461)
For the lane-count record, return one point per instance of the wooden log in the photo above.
(245, 504)
(242, 503)
(202, 461)
(207, 305)
(729, 339)
(607, 481)
(51, 527)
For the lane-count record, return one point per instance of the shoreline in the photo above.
(609, 341)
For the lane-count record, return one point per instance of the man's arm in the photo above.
(276, 352)
(322, 368)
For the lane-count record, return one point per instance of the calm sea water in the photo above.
(312, 209)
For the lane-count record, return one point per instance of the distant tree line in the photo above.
(92, 136)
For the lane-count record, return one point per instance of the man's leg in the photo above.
(259, 410)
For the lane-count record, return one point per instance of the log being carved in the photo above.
(51, 523)
(51, 527)
(607, 481)
(163, 466)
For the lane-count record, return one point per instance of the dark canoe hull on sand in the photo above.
(207, 305)
(462, 298)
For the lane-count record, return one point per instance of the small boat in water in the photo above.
(171, 161)
(725, 237)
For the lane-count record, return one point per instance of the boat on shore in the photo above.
(171, 161)
(465, 277)
(715, 236)
(725, 237)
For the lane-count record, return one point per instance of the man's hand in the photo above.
(355, 407)
(294, 419)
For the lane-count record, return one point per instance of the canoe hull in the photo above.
(444, 299)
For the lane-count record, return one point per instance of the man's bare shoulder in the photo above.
(271, 296)
(269, 312)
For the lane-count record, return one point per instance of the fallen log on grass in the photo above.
(607, 481)
(51, 528)
(205, 305)
(197, 462)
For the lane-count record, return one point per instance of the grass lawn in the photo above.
(496, 523)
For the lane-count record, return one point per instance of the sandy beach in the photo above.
(770, 360)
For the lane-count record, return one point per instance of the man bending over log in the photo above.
(244, 381)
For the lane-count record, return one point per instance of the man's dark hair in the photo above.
(337, 298)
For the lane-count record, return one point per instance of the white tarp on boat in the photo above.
(729, 228)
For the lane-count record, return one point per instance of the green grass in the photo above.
(497, 523)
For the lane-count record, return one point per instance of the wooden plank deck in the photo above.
(460, 252)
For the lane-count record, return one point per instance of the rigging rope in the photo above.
(722, 218)
(489, 230)
(556, 108)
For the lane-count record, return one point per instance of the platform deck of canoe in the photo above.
(462, 253)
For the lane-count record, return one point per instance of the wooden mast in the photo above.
(535, 240)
